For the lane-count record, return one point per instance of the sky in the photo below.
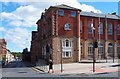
(18, 19)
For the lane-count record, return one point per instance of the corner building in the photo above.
(65, 32)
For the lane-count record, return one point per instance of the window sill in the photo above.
(66, 57)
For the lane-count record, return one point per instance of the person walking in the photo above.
(50, 66)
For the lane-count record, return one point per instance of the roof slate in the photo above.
(63, 6)
(99, 15)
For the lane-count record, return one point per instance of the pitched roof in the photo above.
(63, 6)
(99, 15)
(83, 13)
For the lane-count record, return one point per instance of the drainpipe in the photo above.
(78, 36)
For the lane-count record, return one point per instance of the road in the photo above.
(20, 69)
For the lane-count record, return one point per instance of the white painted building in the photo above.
(9, 57)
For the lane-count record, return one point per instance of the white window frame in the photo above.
(64, 54)
(64, 44)
(66, 48)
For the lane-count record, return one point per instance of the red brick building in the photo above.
(65, 32)
(3, 49)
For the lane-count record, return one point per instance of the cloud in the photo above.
(89, 8)
(23, 18)
(59, 0)
(18, 36)
(28, 14)
(2, 29)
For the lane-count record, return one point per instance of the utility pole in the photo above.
(93, 55)
(94, 45)
(61, 57)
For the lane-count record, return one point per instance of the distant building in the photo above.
(66, 32)
(9, 57)
(34, 47)
(3, 48)
(26, 56)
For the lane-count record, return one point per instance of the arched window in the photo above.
(66, 48)
(110, 50)
(100, 48)
(90, 50)
(66, 43)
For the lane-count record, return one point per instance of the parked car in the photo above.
(3, 63)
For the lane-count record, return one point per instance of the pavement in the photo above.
(83, 67)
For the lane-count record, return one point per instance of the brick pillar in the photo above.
(96, 53)
(85, 50)
(78, 36)
(115, 49)
(106, 49)
(115, 39)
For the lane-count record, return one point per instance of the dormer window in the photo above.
(67, 26)
(61, 12)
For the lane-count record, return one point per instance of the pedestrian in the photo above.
(50, 66)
